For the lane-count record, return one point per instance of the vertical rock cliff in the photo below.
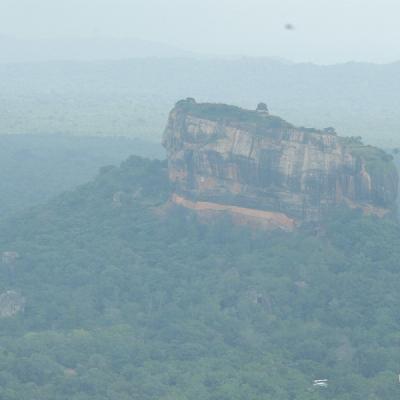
(264, 170)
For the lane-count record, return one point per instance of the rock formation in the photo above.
(11, 303)
(263, 170)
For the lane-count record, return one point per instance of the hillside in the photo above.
(33, 169)
(124, 300)
(133, 97)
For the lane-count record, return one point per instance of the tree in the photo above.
(262, 108)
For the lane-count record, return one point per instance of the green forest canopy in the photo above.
(124, 301)
(133, 97)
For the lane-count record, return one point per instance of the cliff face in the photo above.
(250, 160)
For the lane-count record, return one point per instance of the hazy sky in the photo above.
(326, 31)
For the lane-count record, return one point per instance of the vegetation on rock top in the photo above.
(232, 114)
(260, 122)
(377, 161)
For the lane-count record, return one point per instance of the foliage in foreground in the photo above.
(124, 302)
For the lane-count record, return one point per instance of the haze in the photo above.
(325, 31)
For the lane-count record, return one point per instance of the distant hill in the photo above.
(15, 50)
(133, 97)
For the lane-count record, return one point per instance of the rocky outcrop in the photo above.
(222, 156)
(11, 303)
(240, 215)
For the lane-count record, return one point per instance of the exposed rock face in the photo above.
(228, 156)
